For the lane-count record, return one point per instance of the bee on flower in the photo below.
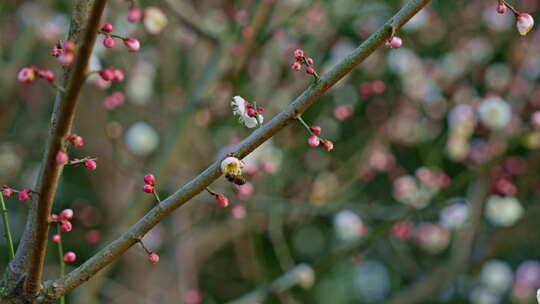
(232, 168)
(247, 113)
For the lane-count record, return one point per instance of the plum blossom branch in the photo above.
(31, 251)
(7, 232)
(116, 248)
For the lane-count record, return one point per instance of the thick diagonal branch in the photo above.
(31, 251)
(113, 250)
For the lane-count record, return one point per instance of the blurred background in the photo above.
(429, 196)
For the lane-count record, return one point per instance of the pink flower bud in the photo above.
(310, 61)
(107, 28)
(118, 75)
(70, 257)
(24, 195)
(524, 23)
(394, 42)
(222, 200)
(310, 70)
(132, 44)
(328, 145)
(299, 54)
(57, 50)
(150, 179)
(66, 214)
(69, 46)
(343, 112)
(56, 238)
(251, 112)
(55, 217)
(402, 230)
(297, 66)
(76, 140)
(66, 58)
(316, 130)
(47, 75)
(93, 236)
(378, 86)
(107, 74)
(260, 110)
(134, 14)
(90, 165)
(501, 8)
(109, 42)
(66, 226)
(7, 192)
(62, 157)
(314, 141)
(27, 74)
(153, 258)
(148, 188)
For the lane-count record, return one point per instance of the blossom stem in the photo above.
(111, 34)
(212, 192)
(61, 259)
(300, 119)
(144, 247)
(156, 195)
(58, 87)
(7, 231)
(513, 9)
(80, 161)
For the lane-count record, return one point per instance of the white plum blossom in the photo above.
(454, 216)
(538, 295)
(141, 138)
(524, 23)
(240, 108)
(154, 20)
(348, 225)
(495, 113)
(232, 165)
(503, 211)
(497, 275)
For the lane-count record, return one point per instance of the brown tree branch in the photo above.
(32, 248)
(112, 251)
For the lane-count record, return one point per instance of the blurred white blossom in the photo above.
(141, 138)
(495, 113)
(503, 211)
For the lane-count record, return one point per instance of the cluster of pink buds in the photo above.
(112, 74)
(114, 100)
(251, 111)
(29, 74)
(376, 87)
(149, 183)
(76, 141)
(301, 60)
(23, 195)
(65, 52)
(63, 220)
(132, 44)
(314, 140)
(503, 175)
(524, 21)
(394, 42)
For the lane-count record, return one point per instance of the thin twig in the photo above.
(7, 231)
(189, 17)
(112, 251)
